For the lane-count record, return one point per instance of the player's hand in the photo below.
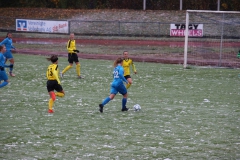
(76, 51)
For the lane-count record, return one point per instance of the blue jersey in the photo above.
(8, 44)
(118, 77)
(2, 60)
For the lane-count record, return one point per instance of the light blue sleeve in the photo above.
(3, 42)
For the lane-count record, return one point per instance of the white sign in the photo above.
(28, 25)
(194, 30)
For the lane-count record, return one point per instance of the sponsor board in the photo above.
(28, 25)
(194, 30)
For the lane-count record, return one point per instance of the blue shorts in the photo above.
(3, 75)
(8, 54)
(121, 89)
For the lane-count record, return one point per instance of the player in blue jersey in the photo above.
(117, 86)
(3, 74)
(8, 54)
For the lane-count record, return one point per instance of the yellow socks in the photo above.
(66, 69)
(128, 85)
(59, 94)
(50, 104)
(78, 69)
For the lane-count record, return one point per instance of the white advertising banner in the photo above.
(194, 30)
(28, 25)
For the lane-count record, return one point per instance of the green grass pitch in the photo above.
(186, 114)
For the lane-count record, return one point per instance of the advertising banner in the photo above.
(194, 30)
(48, 26)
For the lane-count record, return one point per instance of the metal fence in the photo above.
(119, 28)
(149, 29)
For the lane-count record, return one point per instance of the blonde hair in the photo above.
(117, 61)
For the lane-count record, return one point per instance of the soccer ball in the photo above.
(137, 107)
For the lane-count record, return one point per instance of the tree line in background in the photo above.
(225, 5)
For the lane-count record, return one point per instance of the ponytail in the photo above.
(117, 61)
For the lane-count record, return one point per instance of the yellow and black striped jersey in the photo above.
(71, 46)
(52, 72)
(126, 65)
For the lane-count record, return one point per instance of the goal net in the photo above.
(213, 39)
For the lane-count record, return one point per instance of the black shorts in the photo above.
(127, 76)
(53, 85)
(72, 57)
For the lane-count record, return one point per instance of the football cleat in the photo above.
(101, 108)
(80, 77)
(50, 111)
(124, 109)
(61, 75)
(11, 74)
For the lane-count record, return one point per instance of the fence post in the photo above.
(144, 5)
(119, 29)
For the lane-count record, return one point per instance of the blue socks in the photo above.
(3, 84)
(124, 102)
(105, 101)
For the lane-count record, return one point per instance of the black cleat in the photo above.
(124, 109)
(80, 77)
(101, 108)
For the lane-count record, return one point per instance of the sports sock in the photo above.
(50, 104)
(11, 68)
(53, 96)
(3, 84)
(66, 69)
(78, 69)
(105, 101)
(59, 94)
(124, 102)
(128, 85)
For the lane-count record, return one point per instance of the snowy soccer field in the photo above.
(186, 114)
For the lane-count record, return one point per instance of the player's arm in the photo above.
(13, 47)
(3, 42)
(121, 73)
(70, 47)
(55, 74)
(134, 68)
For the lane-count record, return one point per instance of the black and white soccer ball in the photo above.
(137, 107)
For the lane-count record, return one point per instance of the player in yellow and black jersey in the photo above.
(127, 62)
(72, 57)
(53, 82)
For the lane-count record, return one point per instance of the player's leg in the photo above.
(60, 92)
(9, 57)
(129, 79)
(123, 91)
(51, 101)
(78, 66)
(113, 92)
(78, 70)
(11, 67)
(70, 60)
(50, 88)
(4, 77)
